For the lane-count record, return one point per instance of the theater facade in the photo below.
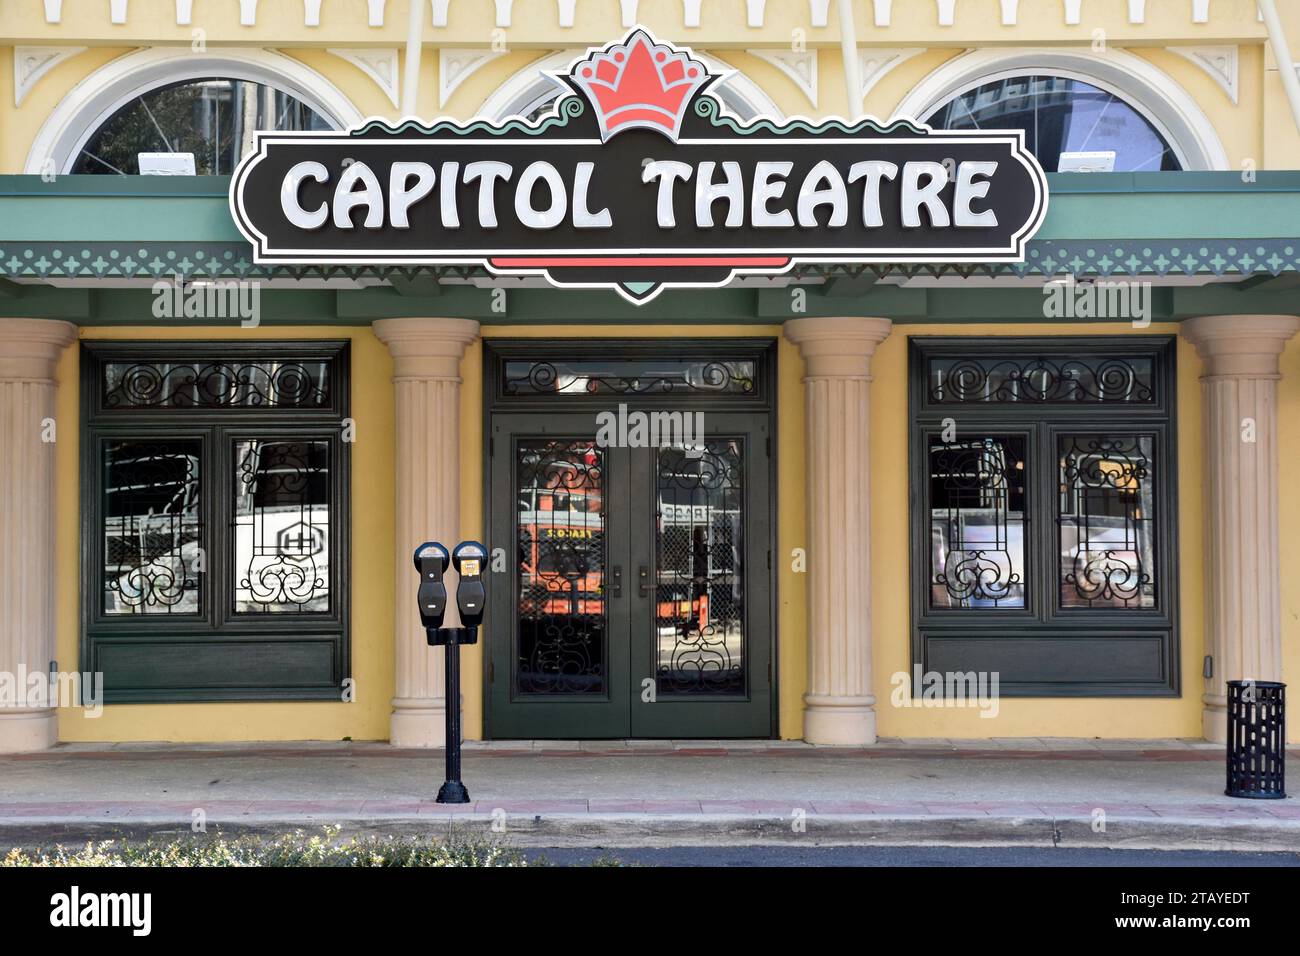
(810, 370)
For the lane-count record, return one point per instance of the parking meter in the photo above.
(469, 557)
(431, 560)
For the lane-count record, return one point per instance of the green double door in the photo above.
(637, 598)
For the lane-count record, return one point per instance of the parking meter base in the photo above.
(453, 791)
(443, 636)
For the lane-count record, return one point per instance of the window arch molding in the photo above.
(95, 99)
(1143, 86)
(530, 87)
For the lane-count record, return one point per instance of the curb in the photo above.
(660, 830)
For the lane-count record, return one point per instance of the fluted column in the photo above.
(1243, 628)
(29, 352)
(839, 707)
(426, 378)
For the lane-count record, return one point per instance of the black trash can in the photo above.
(1256, 739)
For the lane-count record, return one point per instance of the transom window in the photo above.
(1044, 512)
(209, 122)
(1070, 125)
(215, 542)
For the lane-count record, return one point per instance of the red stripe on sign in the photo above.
(535, 262)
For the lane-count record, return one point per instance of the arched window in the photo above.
(172, 101)
(211, 120)
(1070, 125)
(1080, 110)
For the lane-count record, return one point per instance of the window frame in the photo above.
(1050, 641)
(278, 636)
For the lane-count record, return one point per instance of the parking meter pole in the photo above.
(453, 791)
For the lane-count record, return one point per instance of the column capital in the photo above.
(30, 348)
(837, 347)
(1241, 345)
(426, 348)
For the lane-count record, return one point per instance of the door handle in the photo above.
(616, 581)
(643, 580)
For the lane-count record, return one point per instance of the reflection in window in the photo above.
(1106, 519)
(1068, 124)
(700, 591)
(212, 119)
(282, 526)
(560, 528)
(977, 522)
(152, 527)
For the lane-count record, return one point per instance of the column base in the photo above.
(840, 721)
(1214, 719)
(418, 722)
(28, 730)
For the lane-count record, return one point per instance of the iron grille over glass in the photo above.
(1067, 123)
(1043, 480)
(561, 642)
(629, 377)
(212, 119)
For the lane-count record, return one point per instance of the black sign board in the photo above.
(639, 179)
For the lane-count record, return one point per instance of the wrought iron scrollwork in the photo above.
(1106, 518)
(977, 523)
(215, 385)
(1114, 380)
(282, 525)
(700, 591)
(627, 377)
(152, 527)
(560, 526)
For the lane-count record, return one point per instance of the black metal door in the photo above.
(635, 599)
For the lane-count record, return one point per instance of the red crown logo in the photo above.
(639, 83)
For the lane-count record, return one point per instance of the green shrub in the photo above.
(290, 849)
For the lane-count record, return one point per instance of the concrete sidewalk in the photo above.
(1162, 794)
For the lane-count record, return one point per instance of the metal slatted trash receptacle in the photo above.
(1256, 739)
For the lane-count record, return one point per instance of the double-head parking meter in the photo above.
(470, 561)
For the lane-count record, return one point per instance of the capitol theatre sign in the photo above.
(638, 180)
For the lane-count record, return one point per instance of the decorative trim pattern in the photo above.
(311, 13)
(54, 10)
(818, 10)
(1156, 258)
(455, 67)
(184, 12)
(117, 11)
(439, 12)
(1220, 62)
(1137, 11)
(799, 67)
(691, 13)
(882, 10)
(380, 65)
(628, 9)
(375, 12)
(1073, 12)
(1200, 11)
(879, 61)
(566, 9)
(754, 11)
(33, 62)
(247, 13)
(503, 12)
(946, 10)
(1010, 10)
